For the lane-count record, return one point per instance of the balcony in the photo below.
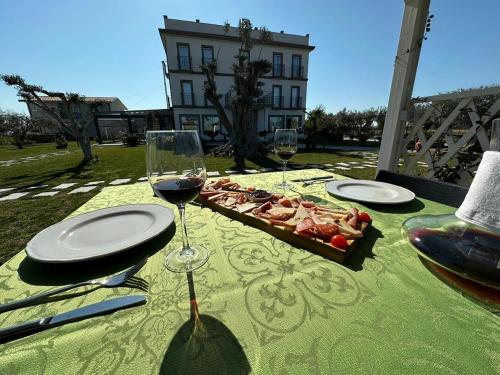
(184, 63)
(297, 72)
(278, 71)
(187, 99)
(295, 102)
(278, 101)
(207, 60)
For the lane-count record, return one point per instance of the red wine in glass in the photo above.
(285, 155)
(178, 190)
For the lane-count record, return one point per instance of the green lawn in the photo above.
(23, 218)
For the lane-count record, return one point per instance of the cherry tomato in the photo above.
(363, 216)
(339, 241)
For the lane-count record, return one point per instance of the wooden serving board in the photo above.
(314, 245)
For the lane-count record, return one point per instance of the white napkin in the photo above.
(481, 205)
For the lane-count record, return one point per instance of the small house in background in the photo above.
(81, 111)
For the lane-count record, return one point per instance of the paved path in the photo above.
(368, 160)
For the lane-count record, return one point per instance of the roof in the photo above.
(214, 31)
(89, 99)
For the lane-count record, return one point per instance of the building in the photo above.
(81, 111)
(190, 44)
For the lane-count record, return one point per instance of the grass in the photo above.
(23, 218)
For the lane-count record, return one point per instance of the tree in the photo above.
(31, 94)
(17, 125)
(246, 89)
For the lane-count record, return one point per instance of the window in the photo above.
(189, 122)
(296, 66)
(211, 125)
(207, 54)
(277, 98)
(77, 111)
(278, 67)
(183, 56)
(276, 122)
(293, 122)
(295, 100)
(187, 93)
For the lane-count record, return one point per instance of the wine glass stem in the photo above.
(186, 249)
(284, 169)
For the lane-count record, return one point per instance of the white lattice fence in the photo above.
(447, 125)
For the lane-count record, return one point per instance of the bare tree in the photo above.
(242, 130)
(31, 94)
(16, 125)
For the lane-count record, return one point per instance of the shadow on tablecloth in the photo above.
(203, 345)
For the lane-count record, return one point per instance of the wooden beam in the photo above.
(405, 68)
(459, 95)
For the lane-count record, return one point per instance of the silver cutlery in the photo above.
(109, 282)
(89, 311)
(312, 179)
(307, 183)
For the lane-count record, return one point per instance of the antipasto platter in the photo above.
(329, 231)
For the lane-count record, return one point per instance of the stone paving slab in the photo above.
(213, 174)
(359, 167)
(142, 179)
(13, 196)
(353, 162)
(328, 165)
(267, 169)
(231, 172)
(119, 181)
(343, 168)
(4, 190)
(46, 194)
(251, 171)
(343, 164)
(64, 186)
(83, 189)
(91, 183)
(35, 187)
(369, 166)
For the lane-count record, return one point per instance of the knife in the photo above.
(312, 178)
(100, 308)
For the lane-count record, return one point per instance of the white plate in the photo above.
(99, 233)
(370, 191)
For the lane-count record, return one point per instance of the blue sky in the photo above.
(112, 48)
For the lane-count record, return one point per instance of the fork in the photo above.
(109, 282)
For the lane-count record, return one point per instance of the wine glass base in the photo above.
(177, 262)
(284, 185)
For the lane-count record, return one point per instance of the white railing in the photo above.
(433, 124)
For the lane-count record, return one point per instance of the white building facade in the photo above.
(190, 44)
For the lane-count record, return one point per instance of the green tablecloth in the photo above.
(266, 306)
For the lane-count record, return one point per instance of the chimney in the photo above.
(281, 32)
(197, 20)
(307, 35)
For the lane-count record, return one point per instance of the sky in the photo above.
(113, 48)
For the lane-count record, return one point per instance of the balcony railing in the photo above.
(297, 72)
(184, 62)
(278, 101)
(278, 70)
(295, 102)
(188, 98)
(207, 60)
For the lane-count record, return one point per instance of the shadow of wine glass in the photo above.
(203, 345)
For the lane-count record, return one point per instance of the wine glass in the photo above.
(285, 146)
(176, 172)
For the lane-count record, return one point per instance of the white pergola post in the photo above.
(405, 68)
